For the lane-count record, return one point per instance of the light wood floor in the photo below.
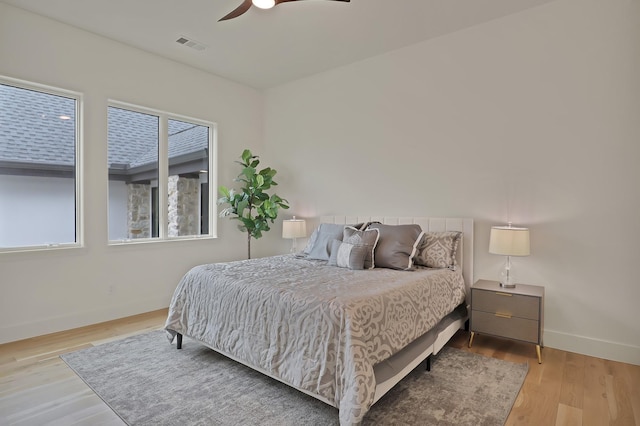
(37, 387)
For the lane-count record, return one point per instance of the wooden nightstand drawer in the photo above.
(515, 312)
(504, 326)
(514, 305)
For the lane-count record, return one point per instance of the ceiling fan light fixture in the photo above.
(264, 4)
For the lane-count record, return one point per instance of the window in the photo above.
(39, 172)
(156, 156)
(133, 141)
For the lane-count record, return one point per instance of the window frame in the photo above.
(163, 174)
(78, 97)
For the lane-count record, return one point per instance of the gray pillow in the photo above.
(319, 246)
(397, 245)
(367, 239)
(345, 255)
(438, 249)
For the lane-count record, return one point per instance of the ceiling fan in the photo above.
(262, 4)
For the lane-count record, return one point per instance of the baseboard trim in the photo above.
(73, 320)
(593, 347)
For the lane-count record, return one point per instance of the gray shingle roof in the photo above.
(31, 131)
(189, 139)
(132, 135)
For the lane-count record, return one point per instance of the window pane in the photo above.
(188, 179)
(133, 174)
(37, 168)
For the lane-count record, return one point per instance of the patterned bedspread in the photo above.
(316, 327)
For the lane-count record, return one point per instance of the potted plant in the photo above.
(251, 205)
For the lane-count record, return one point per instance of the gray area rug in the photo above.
(147, 381)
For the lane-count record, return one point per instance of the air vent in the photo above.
(196, 45)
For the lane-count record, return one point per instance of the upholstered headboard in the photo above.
(464, 256)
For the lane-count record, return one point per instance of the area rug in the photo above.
(147, 381)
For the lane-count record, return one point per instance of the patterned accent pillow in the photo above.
(345, 255)
(397, 245)
(367, 238)
(438, 249)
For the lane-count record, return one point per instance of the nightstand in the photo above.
(513, 313)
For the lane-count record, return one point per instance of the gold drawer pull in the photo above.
(503, 294)
(502, 315)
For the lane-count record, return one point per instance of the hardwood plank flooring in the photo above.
(37, 388)
(567, 389)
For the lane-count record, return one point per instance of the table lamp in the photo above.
(293, 229)
(509, 241)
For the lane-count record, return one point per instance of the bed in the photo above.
(339, 333)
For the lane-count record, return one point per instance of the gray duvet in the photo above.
(316, 327)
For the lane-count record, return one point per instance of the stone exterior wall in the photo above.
(184, 206)
(139, 211)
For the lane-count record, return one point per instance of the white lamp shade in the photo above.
(294, 228)
(509, 241)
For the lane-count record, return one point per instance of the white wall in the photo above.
(48, 291)
(532, 118)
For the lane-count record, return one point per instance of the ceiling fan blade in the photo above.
(246, 4)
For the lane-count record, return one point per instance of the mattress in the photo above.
(318, 328)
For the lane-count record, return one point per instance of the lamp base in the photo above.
(507, 279)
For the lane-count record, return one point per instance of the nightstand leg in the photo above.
(471, 338)
(539, 354)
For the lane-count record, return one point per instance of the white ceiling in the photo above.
(266, 48)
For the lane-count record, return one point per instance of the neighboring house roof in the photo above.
(33, 137)
(31, 130)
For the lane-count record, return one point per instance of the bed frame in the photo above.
(432, 342)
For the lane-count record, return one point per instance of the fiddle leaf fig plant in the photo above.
(251, 205)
